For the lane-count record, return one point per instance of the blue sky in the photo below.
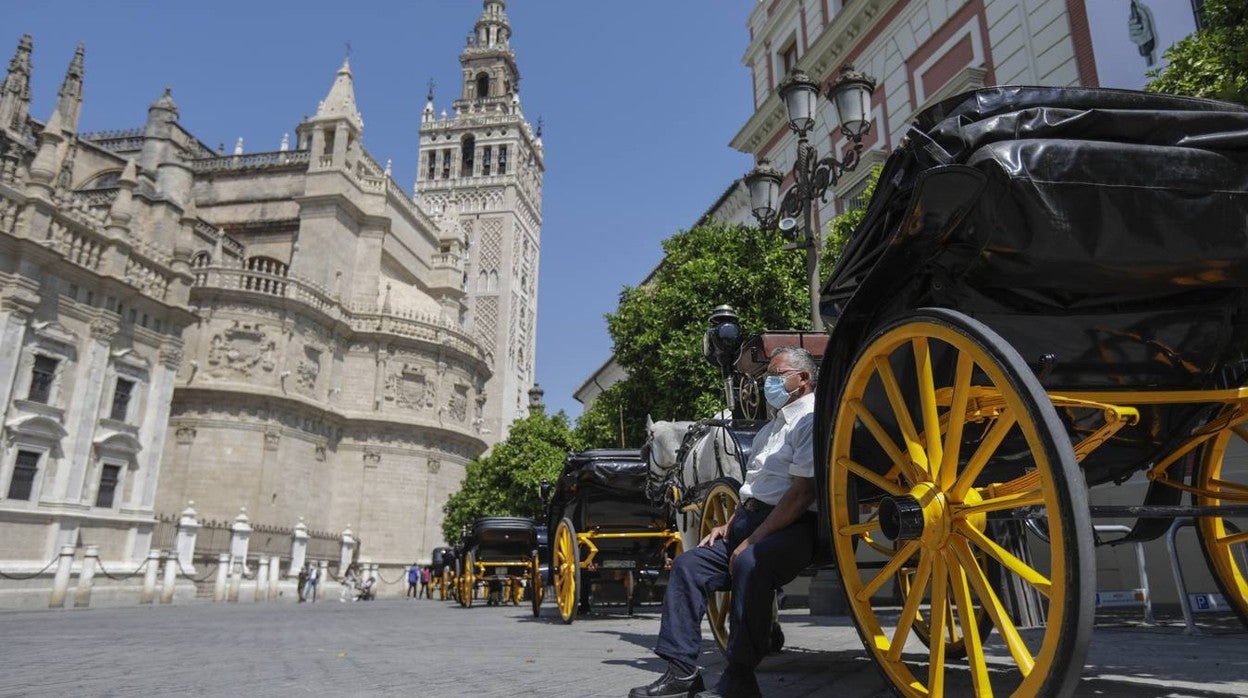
(639, 98)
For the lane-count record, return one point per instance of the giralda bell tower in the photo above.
(481, 172)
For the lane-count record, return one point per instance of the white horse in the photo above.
(684, 458)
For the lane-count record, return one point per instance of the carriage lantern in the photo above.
(851, 98)
(722, 344)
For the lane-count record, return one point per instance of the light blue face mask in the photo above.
(774, 392)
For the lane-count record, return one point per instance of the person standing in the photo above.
(303, 584)
(348, 584)
(313, 578)
(425, 576)
(765, 543)
(413, 582)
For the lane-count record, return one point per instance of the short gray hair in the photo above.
(799, 359)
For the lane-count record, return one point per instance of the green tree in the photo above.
(1213, 62)
(506, 481)
(657, 328)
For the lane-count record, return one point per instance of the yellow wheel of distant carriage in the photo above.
(1224, 540)
(941, 426)
(517, 590)
(717, 507)
(539, 589)
(467, 580)
(566, 570)
(448, 578)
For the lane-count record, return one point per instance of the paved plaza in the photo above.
(393, 647)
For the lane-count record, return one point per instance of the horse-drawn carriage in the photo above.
(442, 571)
(1049, 291)
(499, 557)
(606, 531)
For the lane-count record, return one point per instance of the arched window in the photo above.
(483, 282)
(201, 260)
(483, 85)
(467, 149)
(493, 281)
(105, 180)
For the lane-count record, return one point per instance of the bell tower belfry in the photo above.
(480, 171)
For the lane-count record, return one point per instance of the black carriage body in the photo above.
(503, 539)
(604, 491)
(1103, 233)
(440, 559)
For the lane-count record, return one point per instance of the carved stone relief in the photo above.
(434, 465)
(457, 403)
(271, 439)
(240, 350)
(307, 368)
(185, 435)
(409, 388)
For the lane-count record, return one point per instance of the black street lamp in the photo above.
(851, 98)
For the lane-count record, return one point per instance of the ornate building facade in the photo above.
(287, 331)
(482, 168)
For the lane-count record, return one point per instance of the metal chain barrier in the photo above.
(123, 577)
(383, 579)
(207, 575)
(24, 577)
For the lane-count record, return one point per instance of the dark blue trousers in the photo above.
(759, 571)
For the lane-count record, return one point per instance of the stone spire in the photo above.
(158, 145)
(69, 98)
(15, 92)
(340, 103)
(492, 28)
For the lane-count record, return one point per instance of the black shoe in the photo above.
(670, 685)
(735, 682)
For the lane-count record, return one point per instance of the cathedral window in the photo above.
(201, 260)
(493, 281)
(42, 375)
(121, 399)
(467, 148)
(483, 282)
(110, 475)
(502, 159)
(446, 164)
(433, 164)
(483, 86)
(329, 142)
(485, 160)
(22, 483)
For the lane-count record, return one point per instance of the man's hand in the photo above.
(715, 534)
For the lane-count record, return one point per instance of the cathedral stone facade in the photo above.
(285, 331)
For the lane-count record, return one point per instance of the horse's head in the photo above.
(662, 442)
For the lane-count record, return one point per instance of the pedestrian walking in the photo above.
(413, 582)
(303, 584)
(425, 576)
(313, 577)
(348, 584)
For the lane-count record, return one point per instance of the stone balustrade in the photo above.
(252, 161)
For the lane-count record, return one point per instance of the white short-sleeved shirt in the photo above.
(783, 449)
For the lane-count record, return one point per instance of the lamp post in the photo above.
(850, 95)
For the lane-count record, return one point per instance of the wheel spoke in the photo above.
(1228, 487)
(927, 402)
(936, 637)
(859, 529)
(720, 611)
(1006, 558)
(910, 610)
(1235, 539)
(956, 417)
(902, 413)
(989, 600)
(900, 459)
(1009, 501)
(987, 447)
(970, 629)
(867, 474)
(888, 571)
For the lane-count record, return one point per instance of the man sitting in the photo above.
(767, 542)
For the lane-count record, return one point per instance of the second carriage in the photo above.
(499, 557)
(605, 530)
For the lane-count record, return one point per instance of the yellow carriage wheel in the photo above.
(447, 580)
(517, 591)
(566, 569)
(1224, 540)
(539, 587)
(942, 439)
(955, 644)
(717, 507)
(468, 580)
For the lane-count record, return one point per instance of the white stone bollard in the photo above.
(171, 575)
(60, 583)
(149, 577)
(220, 588)
(82, 597)
(322, 578)
(348, 551)
(262, 578)
(275, 574)
(188, 531)
(236, 581)
(298, 548)
(241, 534)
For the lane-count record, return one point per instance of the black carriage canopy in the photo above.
(500, 529)
(1106, 229)
(615, 469)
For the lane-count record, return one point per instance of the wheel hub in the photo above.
(901, 518)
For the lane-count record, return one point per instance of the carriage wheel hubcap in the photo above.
(901, 518)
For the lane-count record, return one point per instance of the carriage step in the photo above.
(1159, 511)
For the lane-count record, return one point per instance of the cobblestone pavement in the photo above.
(393, 647)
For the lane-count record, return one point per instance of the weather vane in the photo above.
(348, 49)
(432, 84)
